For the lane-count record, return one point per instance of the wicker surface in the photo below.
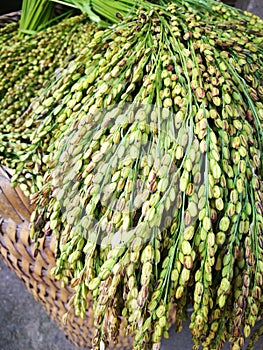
(17, 253)
(9, 18)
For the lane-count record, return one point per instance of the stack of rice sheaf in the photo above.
(144, 158)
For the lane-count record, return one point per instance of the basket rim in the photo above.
(11, 17)
(11, 14)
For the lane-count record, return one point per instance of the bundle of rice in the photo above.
(147, 167)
